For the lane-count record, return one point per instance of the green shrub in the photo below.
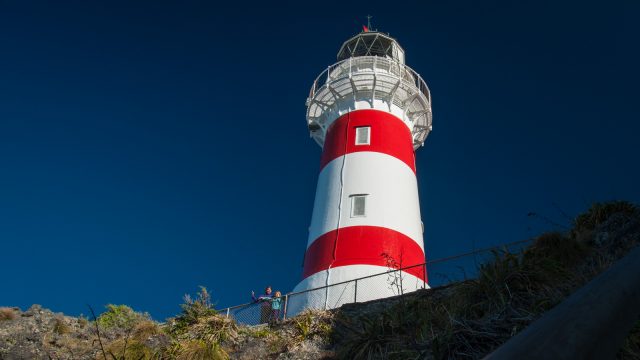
(260, 332)
(120, 316)
(199, 331)
(193, 310)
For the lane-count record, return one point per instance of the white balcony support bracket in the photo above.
(321, 103)
(336, 95)
(373, 89)
(406, 103)
(353, 87)
(392, 93)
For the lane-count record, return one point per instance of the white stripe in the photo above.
(392, 201)
(376, 287)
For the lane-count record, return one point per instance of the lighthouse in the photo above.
(369, 112)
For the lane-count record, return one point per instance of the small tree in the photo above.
(193, 309)
(394, 276)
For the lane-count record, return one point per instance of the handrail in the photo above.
(436, 261)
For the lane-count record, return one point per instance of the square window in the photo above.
(358, 205)
(363, 135)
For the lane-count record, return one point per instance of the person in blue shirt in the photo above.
(276, 306)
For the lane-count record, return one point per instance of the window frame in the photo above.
(353, 205)
(357, 137)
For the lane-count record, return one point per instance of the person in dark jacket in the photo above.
(265, 307)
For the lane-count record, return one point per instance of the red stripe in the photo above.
(363, 245)
(389, 135)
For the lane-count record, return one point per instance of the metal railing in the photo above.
(441, 272)
(374, 64)
(369, 78)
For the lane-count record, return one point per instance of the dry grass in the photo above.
(134, 344)
(82, 321)
(7, 314)
(631, 347)
(472, 318)
(78, 348)
(199, 350)
(60, 326)
(309, 324)
(124, 349)
(584, 224)
(146, 329)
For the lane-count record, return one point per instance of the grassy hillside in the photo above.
(464, 320)
(470, 319)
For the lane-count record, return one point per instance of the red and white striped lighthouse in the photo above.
(369, 112)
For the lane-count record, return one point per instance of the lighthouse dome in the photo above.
(372, 43)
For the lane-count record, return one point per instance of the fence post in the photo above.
(228, 312)
(424, 279)
(355, 292)
(284, 311)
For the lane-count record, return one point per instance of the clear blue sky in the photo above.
(147, 148)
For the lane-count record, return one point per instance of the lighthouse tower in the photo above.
(369, 112)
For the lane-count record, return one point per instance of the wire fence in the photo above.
(440, 272)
